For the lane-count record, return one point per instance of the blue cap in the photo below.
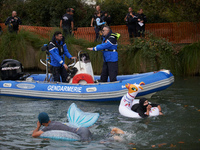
(43, 117)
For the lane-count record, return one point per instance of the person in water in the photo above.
(144, 107)
(83, 132)
(43, 119)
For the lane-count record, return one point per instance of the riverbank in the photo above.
(144, 54)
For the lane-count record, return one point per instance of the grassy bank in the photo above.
(145, 54)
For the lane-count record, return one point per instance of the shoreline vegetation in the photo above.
(143, 55)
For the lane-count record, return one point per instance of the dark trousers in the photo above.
(132, 31)
(57, 72)
(140, 30)
(97, 33)
(109, 69)
(66, 31)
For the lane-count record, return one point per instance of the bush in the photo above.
(189, 59)
(14, 46)
(149, 54)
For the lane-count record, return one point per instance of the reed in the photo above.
(15, 46)
(144, 55)
(189, 59)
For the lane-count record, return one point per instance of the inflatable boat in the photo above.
(82, 84)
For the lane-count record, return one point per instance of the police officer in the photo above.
(58, 50)
(98, 9)
(13, 22)
(131, 21)
(106, 18)
(110, 54)
(98, 24)
(141, 20)
(67, 22)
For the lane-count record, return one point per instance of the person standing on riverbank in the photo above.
(98, 10)
(131, 20)
(67, 22)
(13, 22)
(141, 18)
(58, 50)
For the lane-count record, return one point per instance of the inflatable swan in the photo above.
(77, 118)
(129, 100)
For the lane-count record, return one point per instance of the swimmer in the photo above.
(113, 136)
(43, 119)
(144, 107)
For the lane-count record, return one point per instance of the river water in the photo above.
(179, 128)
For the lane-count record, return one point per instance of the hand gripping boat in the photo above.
(81, 82)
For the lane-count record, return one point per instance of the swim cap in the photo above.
(43, 117)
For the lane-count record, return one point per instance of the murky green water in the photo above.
(179, 128)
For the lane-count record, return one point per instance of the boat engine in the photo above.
(11, 69)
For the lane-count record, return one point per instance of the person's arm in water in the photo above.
(148, 109)
(117, 131)
(37, 132)
(160, 111)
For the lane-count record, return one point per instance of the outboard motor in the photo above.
(11, 69)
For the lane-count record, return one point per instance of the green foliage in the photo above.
(14, 46)
(189, 59)
(145, 54)
(49, 12)
(151, 53)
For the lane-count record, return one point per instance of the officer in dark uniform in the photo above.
(98, 24)
(58, 50)
(98, 9)
(131, 21)
(141, 20)
(106, 18)
(67, 22)
(13, 22)
(110, 54)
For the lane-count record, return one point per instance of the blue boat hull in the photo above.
(109, 91)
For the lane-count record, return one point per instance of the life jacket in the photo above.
(116, 35)
(60, 47)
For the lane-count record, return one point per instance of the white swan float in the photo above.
(129, 100)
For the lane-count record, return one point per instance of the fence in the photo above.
(183, 32)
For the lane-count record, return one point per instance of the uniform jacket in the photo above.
(13, 22)
(142, 17)
(109, 47)
(57, 57)
(131, 20)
